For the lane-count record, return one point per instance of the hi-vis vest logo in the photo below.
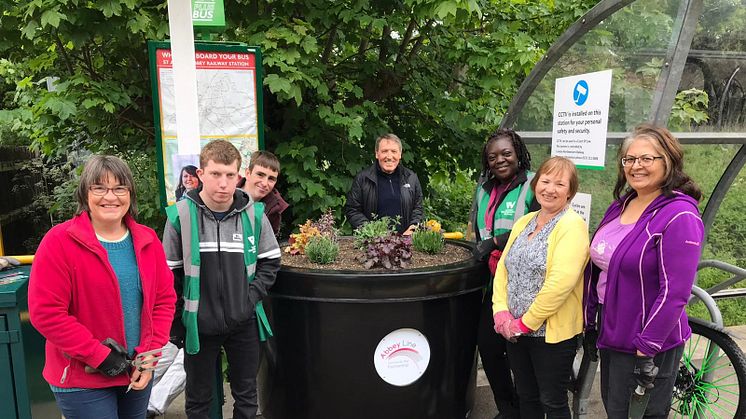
(509, 210)
(237, 237)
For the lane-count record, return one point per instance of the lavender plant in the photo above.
(322, 249)
(428, 241)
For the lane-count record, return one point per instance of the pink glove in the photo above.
(500, 318)
(516, 328)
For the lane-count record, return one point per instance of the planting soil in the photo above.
(348, 254)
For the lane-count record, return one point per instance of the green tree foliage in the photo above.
(74, 78)
(438, 73)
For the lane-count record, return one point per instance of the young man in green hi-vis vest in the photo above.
(503, 196)
(225, 257)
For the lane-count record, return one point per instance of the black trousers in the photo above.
(492, 350)
(618, 383)
(242, 350)
(542, 374)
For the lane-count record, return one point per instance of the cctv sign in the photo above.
(581, 116)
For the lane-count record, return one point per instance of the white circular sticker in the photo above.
(402, 357)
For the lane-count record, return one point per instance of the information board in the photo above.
(229, 104)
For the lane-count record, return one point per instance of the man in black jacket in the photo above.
(386, 189)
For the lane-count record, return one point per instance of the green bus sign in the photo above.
(208, 13)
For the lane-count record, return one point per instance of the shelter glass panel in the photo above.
(711, 96)
(702, 162)
(633, 43)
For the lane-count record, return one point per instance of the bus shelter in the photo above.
(675, 63)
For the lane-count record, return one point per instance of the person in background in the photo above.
(98, 278)
(386, 189)
(188, 180)
(503, 196)
(538, 290)
(644, 258)
(259, 184)
(225, 257)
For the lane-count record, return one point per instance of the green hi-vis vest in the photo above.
(512, 207)
(184, 220)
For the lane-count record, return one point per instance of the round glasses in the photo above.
(645, 161)
(100, 190)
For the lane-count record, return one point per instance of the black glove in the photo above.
(483, 249)
(589, 344)
(645, 371)
(178, 333)
(116, 362)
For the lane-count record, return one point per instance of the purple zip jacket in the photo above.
(650, 278)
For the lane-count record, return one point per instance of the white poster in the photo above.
(227, 108)
(581, 204)
(581, 116)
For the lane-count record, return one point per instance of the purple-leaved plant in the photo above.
(391, 252)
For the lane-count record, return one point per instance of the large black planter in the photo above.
(331, 325)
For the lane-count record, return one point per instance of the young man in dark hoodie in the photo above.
(259, 184)
(225, 257)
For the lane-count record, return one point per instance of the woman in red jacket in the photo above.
(100, 293)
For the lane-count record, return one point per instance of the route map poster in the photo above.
(229, 105)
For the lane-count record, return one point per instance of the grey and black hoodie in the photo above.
(227, 299)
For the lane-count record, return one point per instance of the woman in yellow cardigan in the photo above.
(538, 292)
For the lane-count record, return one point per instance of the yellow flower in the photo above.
(433, 225)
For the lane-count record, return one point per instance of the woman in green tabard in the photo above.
(503, 196)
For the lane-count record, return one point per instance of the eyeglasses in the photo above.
(100, 190)
(645, 161)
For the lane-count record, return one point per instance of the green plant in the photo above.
(322, 249)
(450, 198)
(428, 241)
(391, 252)
(689, 109)
(324, 226)
(378, 227)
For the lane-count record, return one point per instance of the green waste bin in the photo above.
(21, 353)
(13, 388)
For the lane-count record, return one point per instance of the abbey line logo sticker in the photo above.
(402, 356)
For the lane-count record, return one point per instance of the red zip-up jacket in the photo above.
(74, 300)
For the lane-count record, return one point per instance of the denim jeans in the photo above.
(104, 403)
(542, 374)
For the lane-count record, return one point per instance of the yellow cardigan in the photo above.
(560, 300)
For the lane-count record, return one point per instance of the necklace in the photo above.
(542, 218)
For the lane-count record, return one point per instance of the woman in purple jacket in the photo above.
(644, 259)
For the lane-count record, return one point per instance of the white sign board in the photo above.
(227, 102)
(581, 204)
(402, 356)
(581, 116)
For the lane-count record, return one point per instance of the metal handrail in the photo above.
(716, 291)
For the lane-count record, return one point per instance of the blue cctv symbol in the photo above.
(580, 93)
